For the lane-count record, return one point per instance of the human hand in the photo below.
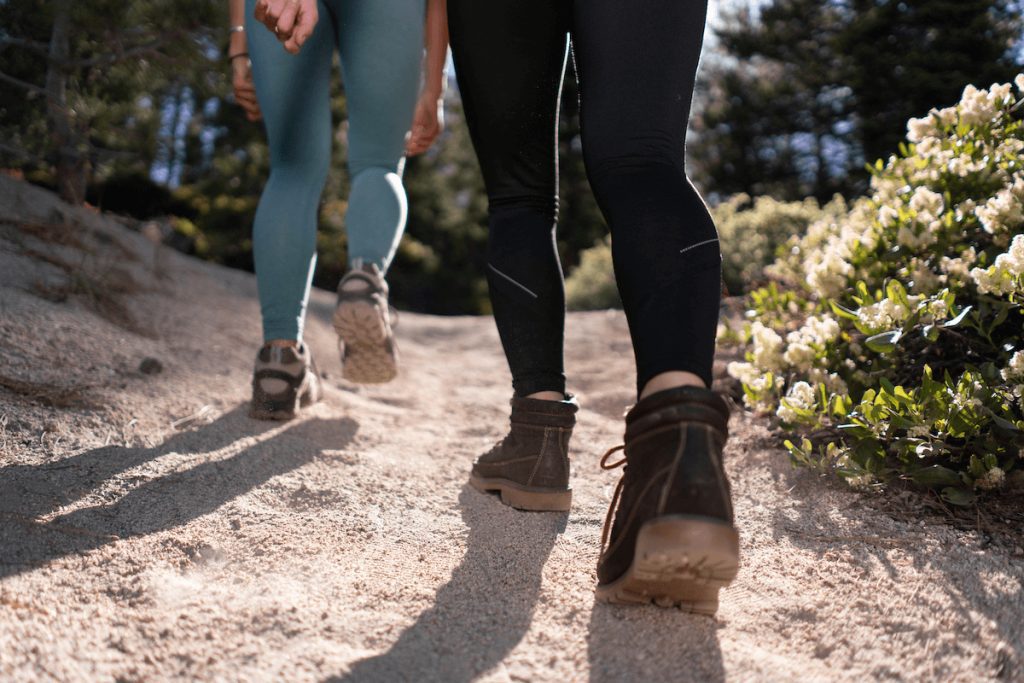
(292, 21)
(427, 124)
(245, 91)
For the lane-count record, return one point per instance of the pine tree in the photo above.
(799, 97)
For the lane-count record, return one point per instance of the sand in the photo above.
(149, 530)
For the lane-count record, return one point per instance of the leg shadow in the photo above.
(158, 504)
(483, 612)
(628, 643)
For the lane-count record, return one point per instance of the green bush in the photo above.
(890, 339)
(591, 286)
(751, 231)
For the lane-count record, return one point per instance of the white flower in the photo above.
(887, 215)
(799, 397)
(882, 315)
(766, 347)
(927, 202)
(744, 372)
(1015, 370)
(799, 356)
(1006, 275)
(1019, 82)
(991, 480)
(978, 107)
(919, 129)
(1004, 211)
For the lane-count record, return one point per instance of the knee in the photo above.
(380, 186)
(300, 167)
(611, 152)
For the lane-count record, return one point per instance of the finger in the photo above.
(286, 21)
(261, 11)
(305, 23)
(272, 14)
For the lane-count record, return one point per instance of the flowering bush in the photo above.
(890, 338)
(751, 232)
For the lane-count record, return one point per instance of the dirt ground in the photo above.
(149, 530)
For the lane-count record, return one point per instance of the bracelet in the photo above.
(237, 29)
(237, 54)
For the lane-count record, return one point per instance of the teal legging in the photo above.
(381, 47)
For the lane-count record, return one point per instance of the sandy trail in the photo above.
(346, 545)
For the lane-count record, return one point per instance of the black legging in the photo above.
(636, 61)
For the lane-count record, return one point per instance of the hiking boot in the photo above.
(363, 324)
(285, 378)
(673, 541)
(529, 468)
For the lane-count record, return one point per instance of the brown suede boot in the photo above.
(673, 540)
(530, 466)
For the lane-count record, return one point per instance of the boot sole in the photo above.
(679, 562)
(364, 332)
(523, 498)
(285, 410)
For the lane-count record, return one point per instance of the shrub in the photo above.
(751, 231)
(890, 339)
(591, 285)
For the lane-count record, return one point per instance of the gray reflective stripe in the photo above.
(512, 281)
(699, 244)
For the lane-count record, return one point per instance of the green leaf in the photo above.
(930, 332)
(935, 476)
(959, 318)
(976, 467)
(842, 311)
(1006, 425)
(958, 496)
(884, 342)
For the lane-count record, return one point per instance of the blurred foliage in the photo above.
(795, 99)
(798, 96)
(118, 68)
(591, 285)
(752, 232)
(161, 138)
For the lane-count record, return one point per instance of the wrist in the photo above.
(433, 87)
(237, 43)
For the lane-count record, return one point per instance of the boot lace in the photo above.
(605, 465)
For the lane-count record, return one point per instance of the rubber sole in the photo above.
(678, 562)
(369, 355)
(524, 498)
(287, 409)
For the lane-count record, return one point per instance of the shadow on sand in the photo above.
(483, 612)
(28, 493)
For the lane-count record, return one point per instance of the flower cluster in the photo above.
(891, 328)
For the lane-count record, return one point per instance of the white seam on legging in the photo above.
(699, 244)
(522, 287)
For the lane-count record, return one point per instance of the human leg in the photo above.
(637, 65)
(669, 537)
(381, 47)
(293, 95)
(509, 58)
(381, 43)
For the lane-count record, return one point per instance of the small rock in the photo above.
(236, 525)
(151, 366)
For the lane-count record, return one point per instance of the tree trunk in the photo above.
(72, 166)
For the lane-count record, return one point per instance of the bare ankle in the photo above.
(546, 396)
(283, 343)
(671, 380)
